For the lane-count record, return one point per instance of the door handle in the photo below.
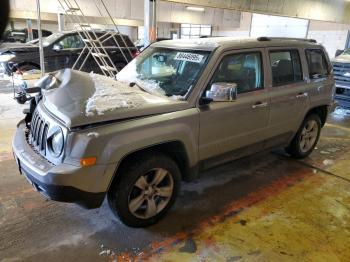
(302, 95)
(259, 105)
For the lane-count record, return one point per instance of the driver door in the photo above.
(229, 130)
(65, 52)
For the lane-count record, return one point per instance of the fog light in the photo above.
(89, 161)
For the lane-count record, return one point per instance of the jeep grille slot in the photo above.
(341, 72)
(38, 133)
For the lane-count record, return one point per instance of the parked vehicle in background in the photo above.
(341, 71)
(21, 35)
(180, 107)
(61, 50)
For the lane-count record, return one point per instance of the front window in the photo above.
(51, 39)
(71, 41)
(243, 69)
(164, 71)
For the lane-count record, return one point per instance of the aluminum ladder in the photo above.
(94, 41)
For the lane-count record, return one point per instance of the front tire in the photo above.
(26, 67)
(145, 189)
(306, 138)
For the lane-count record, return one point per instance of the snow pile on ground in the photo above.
(341, 113)
(111, 94)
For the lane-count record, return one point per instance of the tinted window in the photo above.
(243, 69)
(71, 41)
(108, 40)
(317, 62)
(286, 67)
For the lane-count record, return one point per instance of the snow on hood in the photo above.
(111, 94)
(81, 98)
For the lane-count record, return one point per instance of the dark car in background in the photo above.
(21, 35)
(61, 50)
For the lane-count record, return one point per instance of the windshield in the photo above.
(51, 39)
(347, 52)
(164, 71)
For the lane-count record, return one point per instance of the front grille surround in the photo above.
(41, 128)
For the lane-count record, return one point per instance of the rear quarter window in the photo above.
(317, 63)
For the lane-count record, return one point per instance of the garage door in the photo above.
(277, 26)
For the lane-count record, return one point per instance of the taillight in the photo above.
(135, 53)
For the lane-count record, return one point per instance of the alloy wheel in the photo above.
(308, 136)
(151, 193)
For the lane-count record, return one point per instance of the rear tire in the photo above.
(306, 138)
(145, 189)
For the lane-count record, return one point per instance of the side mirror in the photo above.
(339, 52)
(57, 47)
(222, 92)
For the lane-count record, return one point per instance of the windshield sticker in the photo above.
(190, 57)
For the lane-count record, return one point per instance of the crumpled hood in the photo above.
(18, 47)
(81, 98)
(341, 59)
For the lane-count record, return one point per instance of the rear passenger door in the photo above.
(288, 94)
(320, 78)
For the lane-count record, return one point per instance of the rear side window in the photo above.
(318, 66)
(286, 67)
(109, 41)
(244, 69)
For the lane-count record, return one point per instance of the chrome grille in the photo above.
(341, 72)
(38, 133)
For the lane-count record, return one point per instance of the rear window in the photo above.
(317, 63)
(121, 40)
(286, 67)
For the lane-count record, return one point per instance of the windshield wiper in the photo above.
(132, 84)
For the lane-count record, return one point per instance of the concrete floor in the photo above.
(266, 207)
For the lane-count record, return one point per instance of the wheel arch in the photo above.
(321, 111)
(27, 63)
(174, 149)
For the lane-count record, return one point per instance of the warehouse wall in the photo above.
(133, 10)
(242, 30)
(53, 27)
(332, 35)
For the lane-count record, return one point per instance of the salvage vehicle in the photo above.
(61, 50)
(341, 71)
(180, 107)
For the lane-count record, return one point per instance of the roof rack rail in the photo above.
(265, 38)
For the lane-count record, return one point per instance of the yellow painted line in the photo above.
(307, 222)
(301, 217)
(338, 126)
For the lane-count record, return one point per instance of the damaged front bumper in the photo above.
(56, 182)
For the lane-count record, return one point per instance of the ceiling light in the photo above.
(194, 8)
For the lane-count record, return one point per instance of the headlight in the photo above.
(57, 142)
(6, 57)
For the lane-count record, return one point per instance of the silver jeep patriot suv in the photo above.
(178, 108)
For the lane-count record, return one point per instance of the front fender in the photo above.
(112, 142)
